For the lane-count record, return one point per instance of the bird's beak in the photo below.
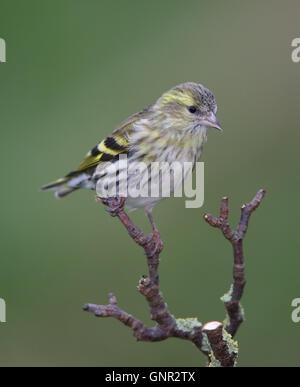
(212, 121)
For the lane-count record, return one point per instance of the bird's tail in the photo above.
(62, 187)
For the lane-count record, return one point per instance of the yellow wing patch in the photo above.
(89, 161)
(106, 150)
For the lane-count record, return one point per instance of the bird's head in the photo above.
(189, 106)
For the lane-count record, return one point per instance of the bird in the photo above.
(172, 129)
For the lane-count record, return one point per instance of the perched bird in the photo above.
(174, 128)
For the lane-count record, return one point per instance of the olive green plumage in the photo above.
(174, 128)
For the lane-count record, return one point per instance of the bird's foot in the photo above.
(115, 205)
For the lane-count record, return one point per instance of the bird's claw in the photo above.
(115, 205)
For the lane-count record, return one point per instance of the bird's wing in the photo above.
(118, 142)
(108, 149)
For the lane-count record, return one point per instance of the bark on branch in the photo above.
(235, 237)
(213, 339)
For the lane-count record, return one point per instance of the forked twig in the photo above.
(235, 237)
(212, 339)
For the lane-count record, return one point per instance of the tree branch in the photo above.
(223, 349)
(212, 339)
(235, 237)
(139, 330)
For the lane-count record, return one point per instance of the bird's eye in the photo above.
(192, 109)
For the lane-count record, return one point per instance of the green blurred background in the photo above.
(74, 70)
